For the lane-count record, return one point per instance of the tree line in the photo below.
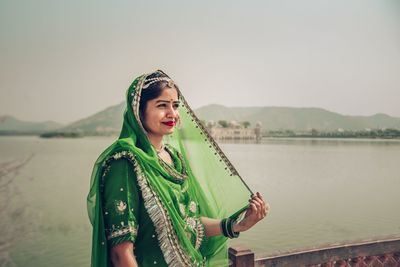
(370, 133)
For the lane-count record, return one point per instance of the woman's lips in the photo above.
(169, 123)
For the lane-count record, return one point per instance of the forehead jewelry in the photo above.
(170, 83)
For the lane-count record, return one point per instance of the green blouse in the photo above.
(126, 218)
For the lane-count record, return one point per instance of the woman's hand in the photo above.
(257, 211)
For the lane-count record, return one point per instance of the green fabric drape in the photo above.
(212, 182)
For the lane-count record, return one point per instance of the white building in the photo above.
(234, 131)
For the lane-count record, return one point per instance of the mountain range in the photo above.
(109, 120)
(9, 124)
(297, 119)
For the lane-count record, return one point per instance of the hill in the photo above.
(12, 125)
(297, 119)
(109, 120)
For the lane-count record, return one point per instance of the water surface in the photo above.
(320, 191)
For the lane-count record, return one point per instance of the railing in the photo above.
(367, 253)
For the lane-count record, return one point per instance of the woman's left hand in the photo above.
(257, 211)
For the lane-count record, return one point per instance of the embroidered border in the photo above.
(122, 231)
(199, 233)
(174, 255)
(136, 100)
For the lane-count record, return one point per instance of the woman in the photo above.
(162, 196)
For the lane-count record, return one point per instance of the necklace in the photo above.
(160, 150)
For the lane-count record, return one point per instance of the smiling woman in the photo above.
(158, 201)
(160, 114)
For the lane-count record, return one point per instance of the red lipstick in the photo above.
(169, 123)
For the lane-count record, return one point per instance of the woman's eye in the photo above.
(175, 106)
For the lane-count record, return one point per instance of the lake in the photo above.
(321, 191)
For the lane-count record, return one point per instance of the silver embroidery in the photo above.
(173, 253)
(193, 207)
(122, 231)
(197, 226)
(199, 234)
(120, 207)
(191, 222)
(182, 209)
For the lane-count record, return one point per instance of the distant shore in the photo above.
(360, 134)
(379, 134)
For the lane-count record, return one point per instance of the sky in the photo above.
(66, 60)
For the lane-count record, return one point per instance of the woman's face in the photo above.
(161, 113)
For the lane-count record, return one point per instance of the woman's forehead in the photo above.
(168, 94)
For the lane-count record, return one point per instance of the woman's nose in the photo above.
(172, 113)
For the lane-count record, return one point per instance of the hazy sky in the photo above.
(65, 60)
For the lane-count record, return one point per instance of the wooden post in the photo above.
(241, 257)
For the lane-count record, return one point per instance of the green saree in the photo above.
(136, 196)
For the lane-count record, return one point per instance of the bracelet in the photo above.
(224, 228)
(227, 228)
(232, 233)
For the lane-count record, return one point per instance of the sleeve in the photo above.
(120, 203)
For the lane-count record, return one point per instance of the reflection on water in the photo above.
(320, 191)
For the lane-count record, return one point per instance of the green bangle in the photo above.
(232, 234)
(224, 228)
(226, 225)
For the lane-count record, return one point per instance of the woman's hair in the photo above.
(153, 91)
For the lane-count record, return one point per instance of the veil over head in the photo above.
(212, 180)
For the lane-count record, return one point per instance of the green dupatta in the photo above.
(213, 182)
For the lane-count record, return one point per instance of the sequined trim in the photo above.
(174, 254)
(199, 233)
(122, 231)
(136, 100)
